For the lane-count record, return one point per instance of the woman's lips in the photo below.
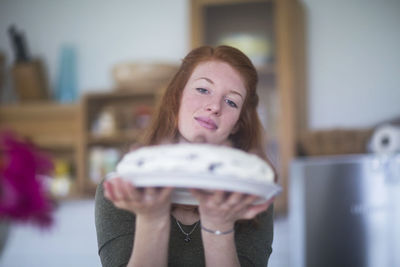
(206, 123)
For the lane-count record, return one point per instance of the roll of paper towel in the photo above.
(386, 139)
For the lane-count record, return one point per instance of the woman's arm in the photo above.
(151, 242)
(218, 213)
(152, 209)
(220, 250)
(115, 230)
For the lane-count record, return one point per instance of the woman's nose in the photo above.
(214, 106)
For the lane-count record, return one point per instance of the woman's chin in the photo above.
(202, 139)
(186, 207)
(198, 139)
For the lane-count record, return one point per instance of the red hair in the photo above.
(249, 134)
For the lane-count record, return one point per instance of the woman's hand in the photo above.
(152, 208)
(220, 209)
(149, 202)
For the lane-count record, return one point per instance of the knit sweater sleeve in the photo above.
(115, 231)
(254, 243)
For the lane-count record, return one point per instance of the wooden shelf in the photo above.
(56, 142)
(117, 95)
(47, 124)
(35, 109)
(116, 139)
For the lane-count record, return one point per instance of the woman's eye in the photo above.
(231, 103)
(202, 90)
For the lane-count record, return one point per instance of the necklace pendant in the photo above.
(187, 238)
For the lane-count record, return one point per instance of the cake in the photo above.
(198, 166)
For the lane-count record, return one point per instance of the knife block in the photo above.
(29, 81)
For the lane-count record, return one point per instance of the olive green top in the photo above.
(116, 228)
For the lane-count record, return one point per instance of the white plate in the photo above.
(182, 182)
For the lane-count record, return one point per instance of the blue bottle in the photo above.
(66, 88)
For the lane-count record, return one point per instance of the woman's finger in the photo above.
(234, 199)
(250, 199)
(165, 193)
(115, 189)
(256, 209)
(119, 190)
(236, 203)
(137, 192)
(130, 193)
(108, 191)
(150, 194)
(199, 194)
(218, 197)
(151, 191)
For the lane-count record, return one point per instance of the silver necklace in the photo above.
(187, 238)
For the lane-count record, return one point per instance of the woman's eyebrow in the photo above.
(236, 93)
(205, 78)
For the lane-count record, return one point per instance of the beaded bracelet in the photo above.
(217, 232)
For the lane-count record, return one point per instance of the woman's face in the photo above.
(211, 104)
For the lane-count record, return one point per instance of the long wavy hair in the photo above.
(249, 135)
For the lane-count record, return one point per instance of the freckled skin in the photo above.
(211, 103)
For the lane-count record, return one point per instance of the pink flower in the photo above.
(22, 191)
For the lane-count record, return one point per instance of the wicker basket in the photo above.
(143, 76)
(334, 142)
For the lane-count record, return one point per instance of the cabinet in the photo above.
(271, 33)
(54, 128)
(111, 123)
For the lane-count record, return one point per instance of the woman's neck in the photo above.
(185, 214)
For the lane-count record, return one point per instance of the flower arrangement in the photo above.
(23, 168)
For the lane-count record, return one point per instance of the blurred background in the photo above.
(80, 79)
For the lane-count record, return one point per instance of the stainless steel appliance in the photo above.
(345, 211)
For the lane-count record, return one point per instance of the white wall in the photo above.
(104, 32)
(353, 47)
(354, 62)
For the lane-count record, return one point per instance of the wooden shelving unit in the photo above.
(123, 106)
(66, 131)
(281, 70)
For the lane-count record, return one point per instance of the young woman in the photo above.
(211, 99)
